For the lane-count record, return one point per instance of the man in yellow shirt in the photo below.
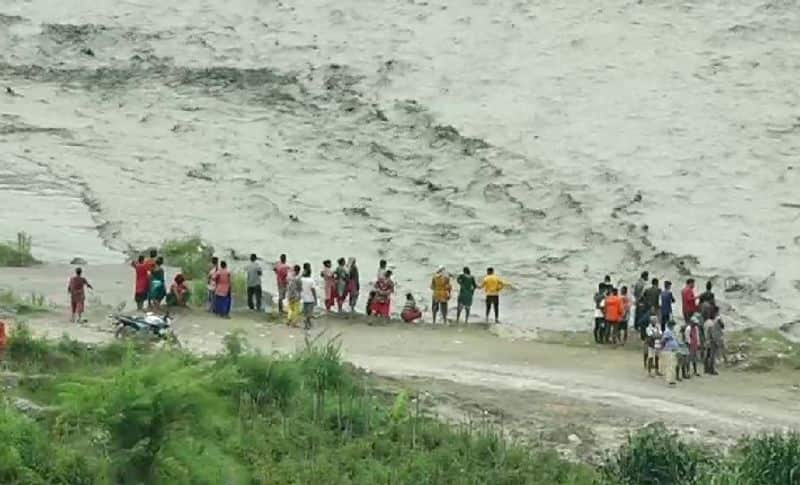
(492, 285)
(440, 284)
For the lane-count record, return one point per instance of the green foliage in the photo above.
(19, 254)
(656, 455)
(191, 255)
(242, 418)
(769, 459)
(13, 303)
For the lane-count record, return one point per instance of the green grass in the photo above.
(165, 417)
(17, 254)
(10, 302)
(133, 414)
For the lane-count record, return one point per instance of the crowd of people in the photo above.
(297, 290)
(648, 309)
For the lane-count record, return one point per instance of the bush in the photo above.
(192, 256)
(19, 254)
(11, 302)
(769, 459)
(656, 455)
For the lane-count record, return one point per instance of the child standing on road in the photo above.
(653, 346)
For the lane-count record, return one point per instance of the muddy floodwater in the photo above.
(556, 141)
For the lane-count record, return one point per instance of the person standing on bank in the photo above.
(282, 270)
(440, 285)
(466, 291)
(77, 294)
(254, 291)
(492, 285)
(308, 294)
(353, 284)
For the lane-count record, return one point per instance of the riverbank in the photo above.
(555, 388)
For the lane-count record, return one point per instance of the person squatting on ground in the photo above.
(76, 287)
(466, 292)
(441, 287)
(411, 313)
(254, 291)
(178, 295)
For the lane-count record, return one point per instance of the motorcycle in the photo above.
(150, 325)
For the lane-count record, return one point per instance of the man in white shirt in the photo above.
(308, 295)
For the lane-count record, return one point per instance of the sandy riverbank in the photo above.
(538, 389)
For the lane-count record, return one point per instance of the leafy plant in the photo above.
(19, 254)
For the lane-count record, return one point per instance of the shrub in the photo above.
(769, 459)
(13, 303)
(192, 256)
(19, 254)
(653, 454)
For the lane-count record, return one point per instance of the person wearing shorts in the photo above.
(308, 295)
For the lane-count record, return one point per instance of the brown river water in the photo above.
(555, 141)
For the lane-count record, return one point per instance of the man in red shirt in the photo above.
(142, 270)
(689, 300)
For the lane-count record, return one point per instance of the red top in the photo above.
(282, 273)
(141, 276)
(689, 302)
(76, 286)
(614, 309)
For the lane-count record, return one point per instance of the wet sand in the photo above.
(538, 390)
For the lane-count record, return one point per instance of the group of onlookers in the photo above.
(649, 309)
(298, 296)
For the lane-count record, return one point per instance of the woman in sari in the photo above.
(158, 287)
(353, 286)
(382, 302)
(330, 284)
(341, 276)
(222, 291)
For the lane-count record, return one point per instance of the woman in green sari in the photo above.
(158, 289)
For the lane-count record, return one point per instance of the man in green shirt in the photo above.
(467, 285)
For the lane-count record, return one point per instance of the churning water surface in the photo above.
(557, 141)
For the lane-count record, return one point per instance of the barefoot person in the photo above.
(441, 288)
(281, 270)
(466, 291)
(142, 271)
(492, 285)
(77, 294)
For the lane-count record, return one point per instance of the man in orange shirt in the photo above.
(614, 313)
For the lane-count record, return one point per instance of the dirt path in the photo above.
(580, 399)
